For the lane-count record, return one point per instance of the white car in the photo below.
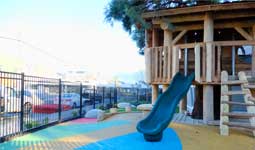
(11, 100)
(71, 99)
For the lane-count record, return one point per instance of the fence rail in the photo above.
(30, 102)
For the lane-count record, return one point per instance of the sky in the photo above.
(64, 35)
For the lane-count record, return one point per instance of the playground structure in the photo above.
(207, 40)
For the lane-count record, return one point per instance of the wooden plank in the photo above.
(234, 93)
(197, 9)
(233, 82)
(152, 64)
(189, 45)
(175, 60)
(213, 63)
(238, 124)
(179, 36)
(252, 99)
(236, 103)
(169, 63)
(197, 63)
(217, 25)
(239, 115)
(244, 33)
(242, 129)
(165, 63)
(156, 64)
(234, 43)
(160, 65)
(203, 63)
(148, 71)
(200, 16)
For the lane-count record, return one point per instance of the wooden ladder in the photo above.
(225, 122)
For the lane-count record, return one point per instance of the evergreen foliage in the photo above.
(128, 12)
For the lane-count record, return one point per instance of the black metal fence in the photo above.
(30, 102)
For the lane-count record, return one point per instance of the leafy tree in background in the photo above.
(128, 12)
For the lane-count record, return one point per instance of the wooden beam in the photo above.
(195, 9)
(234, 43)
(217, 25)
(200, 16)
(168, 37)
(244, 33)
(178, 37)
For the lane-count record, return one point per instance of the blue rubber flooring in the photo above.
(56, 132)
(135, 141)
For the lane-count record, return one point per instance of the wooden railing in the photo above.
(158, 64)
(163, 62)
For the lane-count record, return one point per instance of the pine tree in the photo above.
(129, 13)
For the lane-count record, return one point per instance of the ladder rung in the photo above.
(241, 128)
(250, 86)
(239, 124)
(239, 115)
(234, 93)
(236, 103)
(234, 82)
(252, 99)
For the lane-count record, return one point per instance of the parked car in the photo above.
(71, 99)
(11, 100)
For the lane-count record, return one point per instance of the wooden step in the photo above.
(244, 115)
(239, 124)
(236, 103)
(242, 129)
(234, 93)
(234, 82)
(250, 86)
(252, 99)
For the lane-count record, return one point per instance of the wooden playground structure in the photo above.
(212, 41)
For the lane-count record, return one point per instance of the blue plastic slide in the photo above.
(162, 113)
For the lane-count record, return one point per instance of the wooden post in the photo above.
(224, 108)
(253, 50)
(208, 37)
(208, 111)
(154, 86)
(154, 93)
(147, 57)
(168, 37)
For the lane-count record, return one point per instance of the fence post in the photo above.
(145, 94)
(103, 96)
(110, 96)
(81, 100)
(94, 97)
(59, 100)
(115, 96)
(137, 94)
(22, 102)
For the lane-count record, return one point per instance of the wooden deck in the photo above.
(184, 119)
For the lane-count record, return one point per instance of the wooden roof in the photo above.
(199, 9)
